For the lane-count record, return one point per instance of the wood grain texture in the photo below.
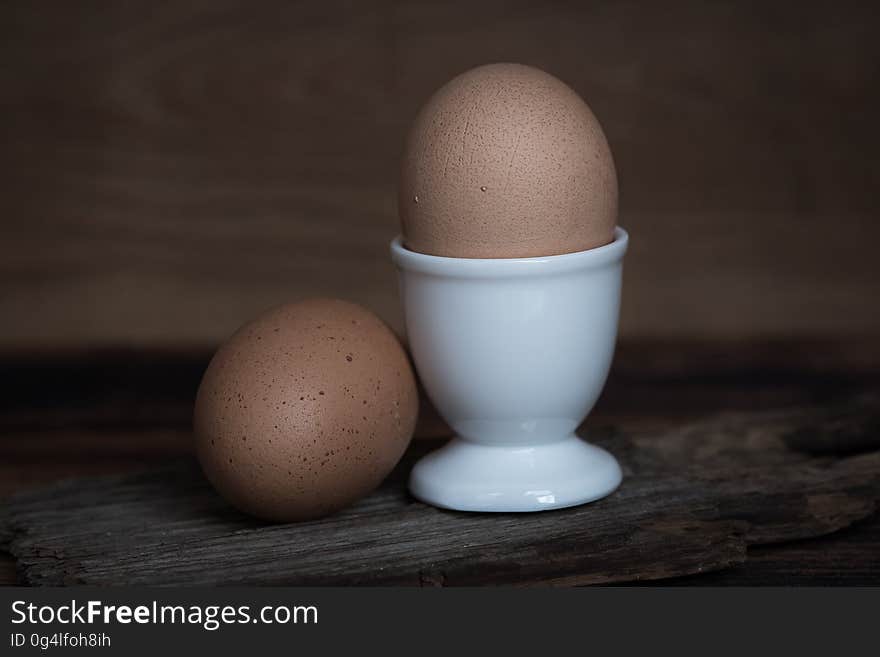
(850, 557)
(90, 412)
(694, 499)
(169, 171)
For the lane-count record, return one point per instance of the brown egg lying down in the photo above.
(506, 161)
(304, 410)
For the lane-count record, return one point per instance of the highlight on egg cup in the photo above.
(514, 353)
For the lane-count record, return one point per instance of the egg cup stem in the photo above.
(514, 354)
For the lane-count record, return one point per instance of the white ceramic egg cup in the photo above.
(514, 353)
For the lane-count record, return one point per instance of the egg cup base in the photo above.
(468, 476)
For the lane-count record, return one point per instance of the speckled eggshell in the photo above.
(304, 410)
(506, 161)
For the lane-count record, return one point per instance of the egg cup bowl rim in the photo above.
(596, 257)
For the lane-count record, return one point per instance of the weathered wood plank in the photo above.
(850, 557)
(693, 500)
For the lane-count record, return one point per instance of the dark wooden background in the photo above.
(168, 170)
